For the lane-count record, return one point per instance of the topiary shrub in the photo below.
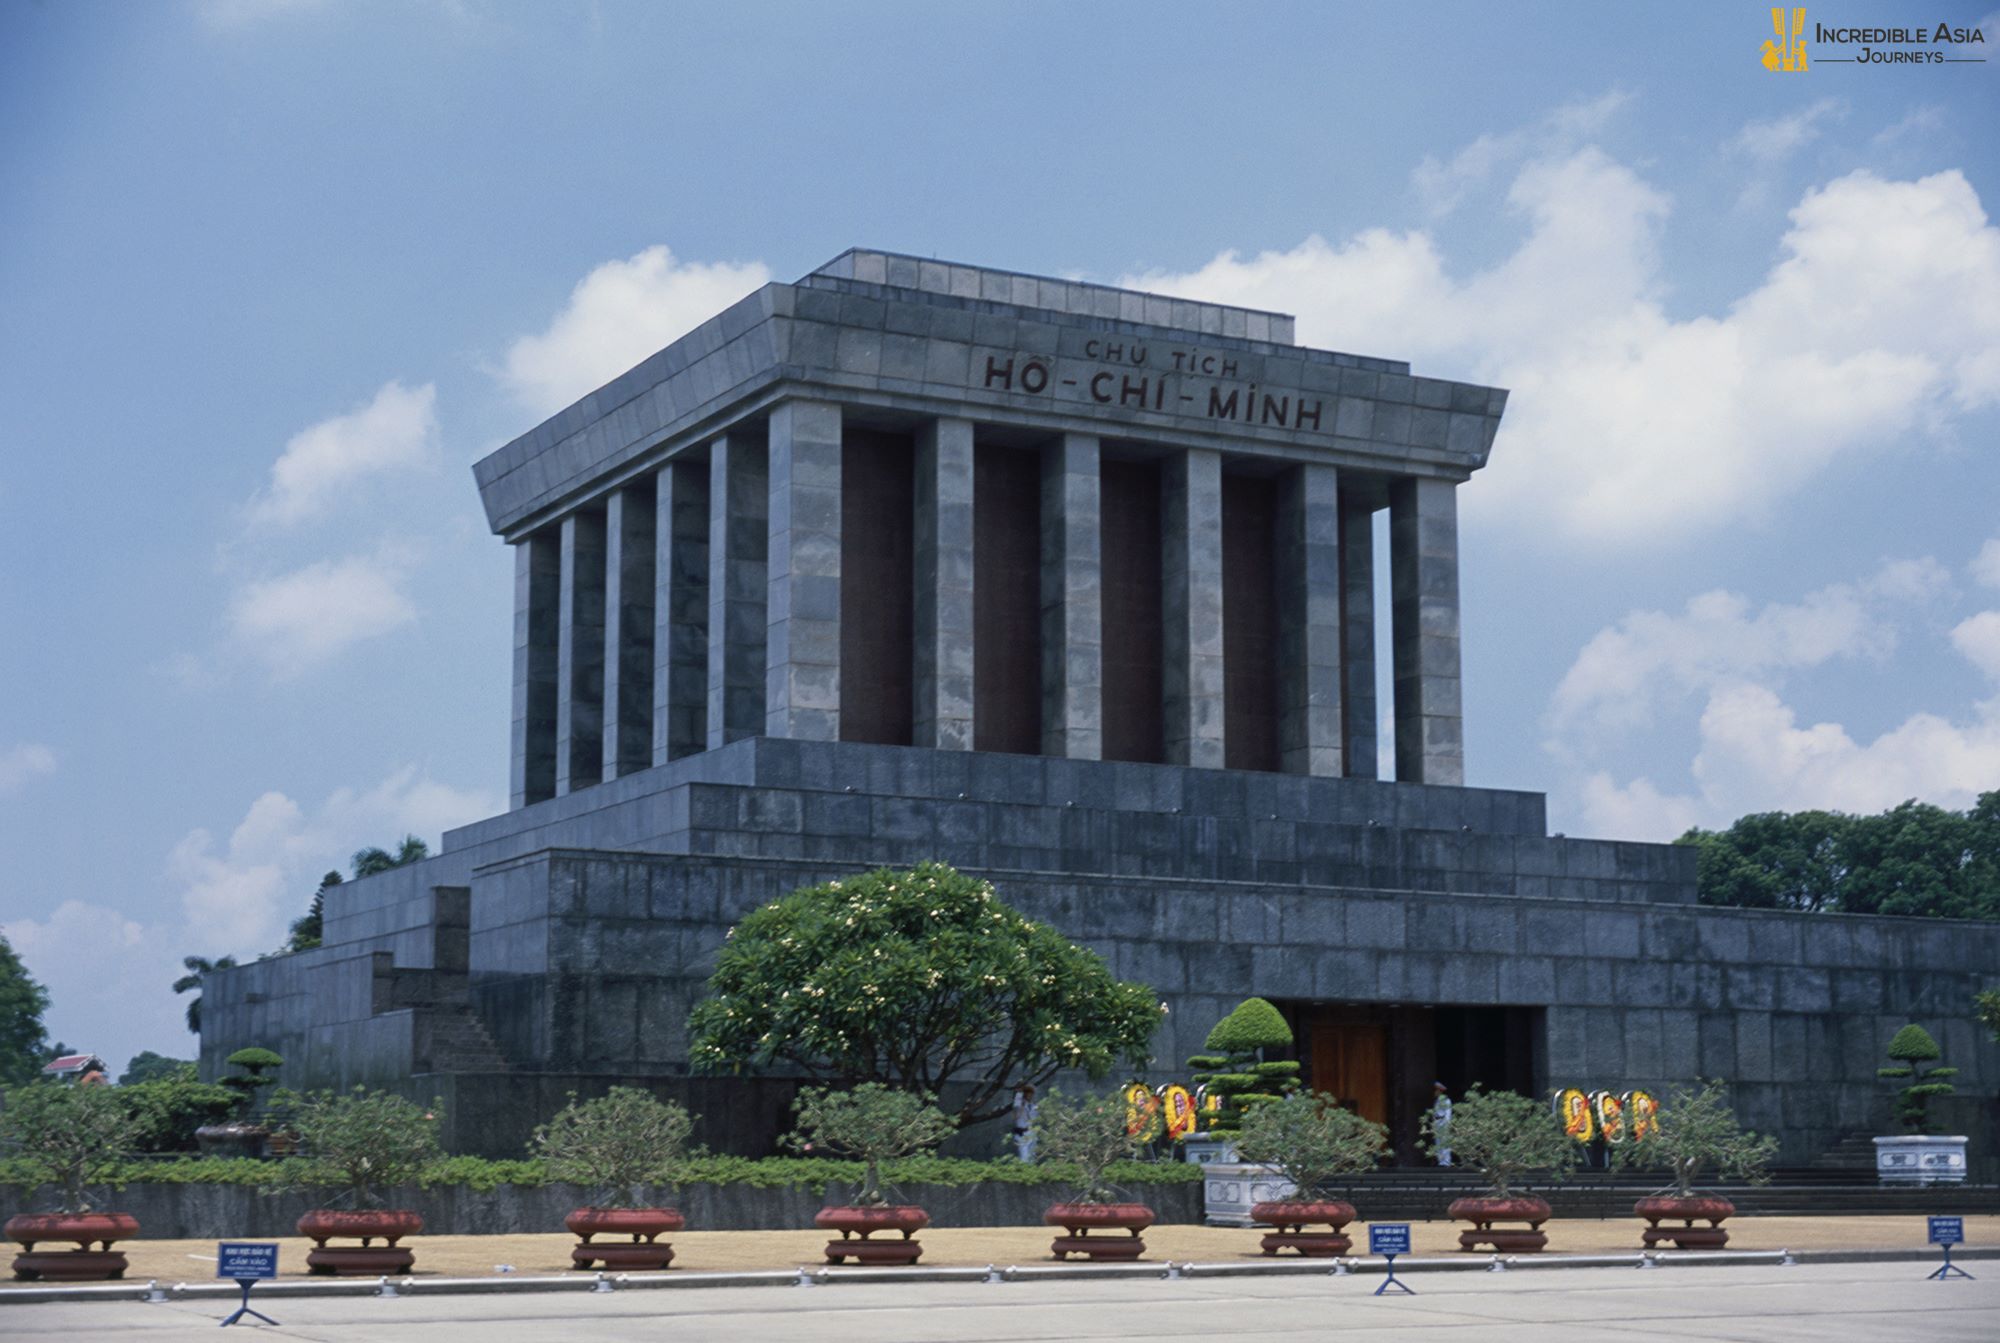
(1911, 1047)
(255, 1062)
(1235, 1071)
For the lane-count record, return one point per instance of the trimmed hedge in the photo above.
(813, 1173)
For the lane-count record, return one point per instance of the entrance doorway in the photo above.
(1380, 1060)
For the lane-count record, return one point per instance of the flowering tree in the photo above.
(919, 980)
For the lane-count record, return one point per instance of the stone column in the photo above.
(1423, 577)
(942, 711)
(1359, 752)
(680, 610)
(628, 630)
(738, 511)
(537, 620)
(1072, 608)
(580, 655)
(1191, 607)
(802, 649)
(1309, 621)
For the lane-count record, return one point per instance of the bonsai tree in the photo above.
(1986, 1007)
(255, 1063)
(65, 1137)
(1309, 1139)
(617, 1144)
(1091, 1133)
(1912, 1047)
(873, 1123)
(918, 980)
(1696, 1131)
(1501, 1135)
(360, 1142)
(1235, 1068)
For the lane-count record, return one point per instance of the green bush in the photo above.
(1088, 1134)
(67, 1136)
(1503, 1136)
(360, 1142)
(1254, 1026)
(1239, 1076)
(166, 1112)
(873, 1122)
(1695, 1130)
(1310, 1139)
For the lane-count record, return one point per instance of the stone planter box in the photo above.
(1229, 1190)
(1208, 1150)
(1920, 1159)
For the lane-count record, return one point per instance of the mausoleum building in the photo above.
(1072, 587)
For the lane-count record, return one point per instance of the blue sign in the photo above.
(244, 1260)
(1389, 1238)
(1947, 1231)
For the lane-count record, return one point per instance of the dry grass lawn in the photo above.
(470, 1256)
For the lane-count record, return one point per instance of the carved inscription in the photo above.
(1135, 376)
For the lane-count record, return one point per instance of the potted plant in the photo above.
(873, 1123)
(1502, 1136)
(1090, 1134)
(65, 1136)
(362, 1143)
(618, 1145)
(1309, 1139)
(1234, 1076)
(1693, 1132)
(242, 1134)
(1917, 1157)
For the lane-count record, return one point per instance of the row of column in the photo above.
(702, 604)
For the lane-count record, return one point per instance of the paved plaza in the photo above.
(1762, 1302)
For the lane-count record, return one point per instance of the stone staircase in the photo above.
(460, 1043)
(1855, 1152)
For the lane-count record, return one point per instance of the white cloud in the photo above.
(1624, 670)
(1978, 639)
(1637, 810)
(616, 316)
(396, 431)
(1918, 121)
(22, 763)
(1985, 566)
(1627, 426)
(1779, 136)
(1443, 184)
(300, 619)
(108, 977)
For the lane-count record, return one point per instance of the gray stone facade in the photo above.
(686, 589)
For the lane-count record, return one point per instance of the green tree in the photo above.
(1913, 859)
(146, 1066)
(256, 1062)
(1310, 1138)
(70, 1137)
(1912, 1047)
(167, 1109)
(307, 928)
(197, 967)
(370, 861)
(617, 1144)
(1695, 1131)
(1986, 1007)
(919, 980)
(360, 1142)
(1091, 1134)
(872, 1123)
(1503, 1136)
(24, 1041)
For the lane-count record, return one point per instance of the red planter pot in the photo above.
(1080, 1219)
(1293, 1216)
(367, 1225)
(640, 1225)
(1484, 1212)
(856, 1225)
(1686, 1211)
(81, 1229)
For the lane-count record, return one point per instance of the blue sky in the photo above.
(273, 274)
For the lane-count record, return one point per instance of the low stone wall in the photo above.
(217, 1211)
